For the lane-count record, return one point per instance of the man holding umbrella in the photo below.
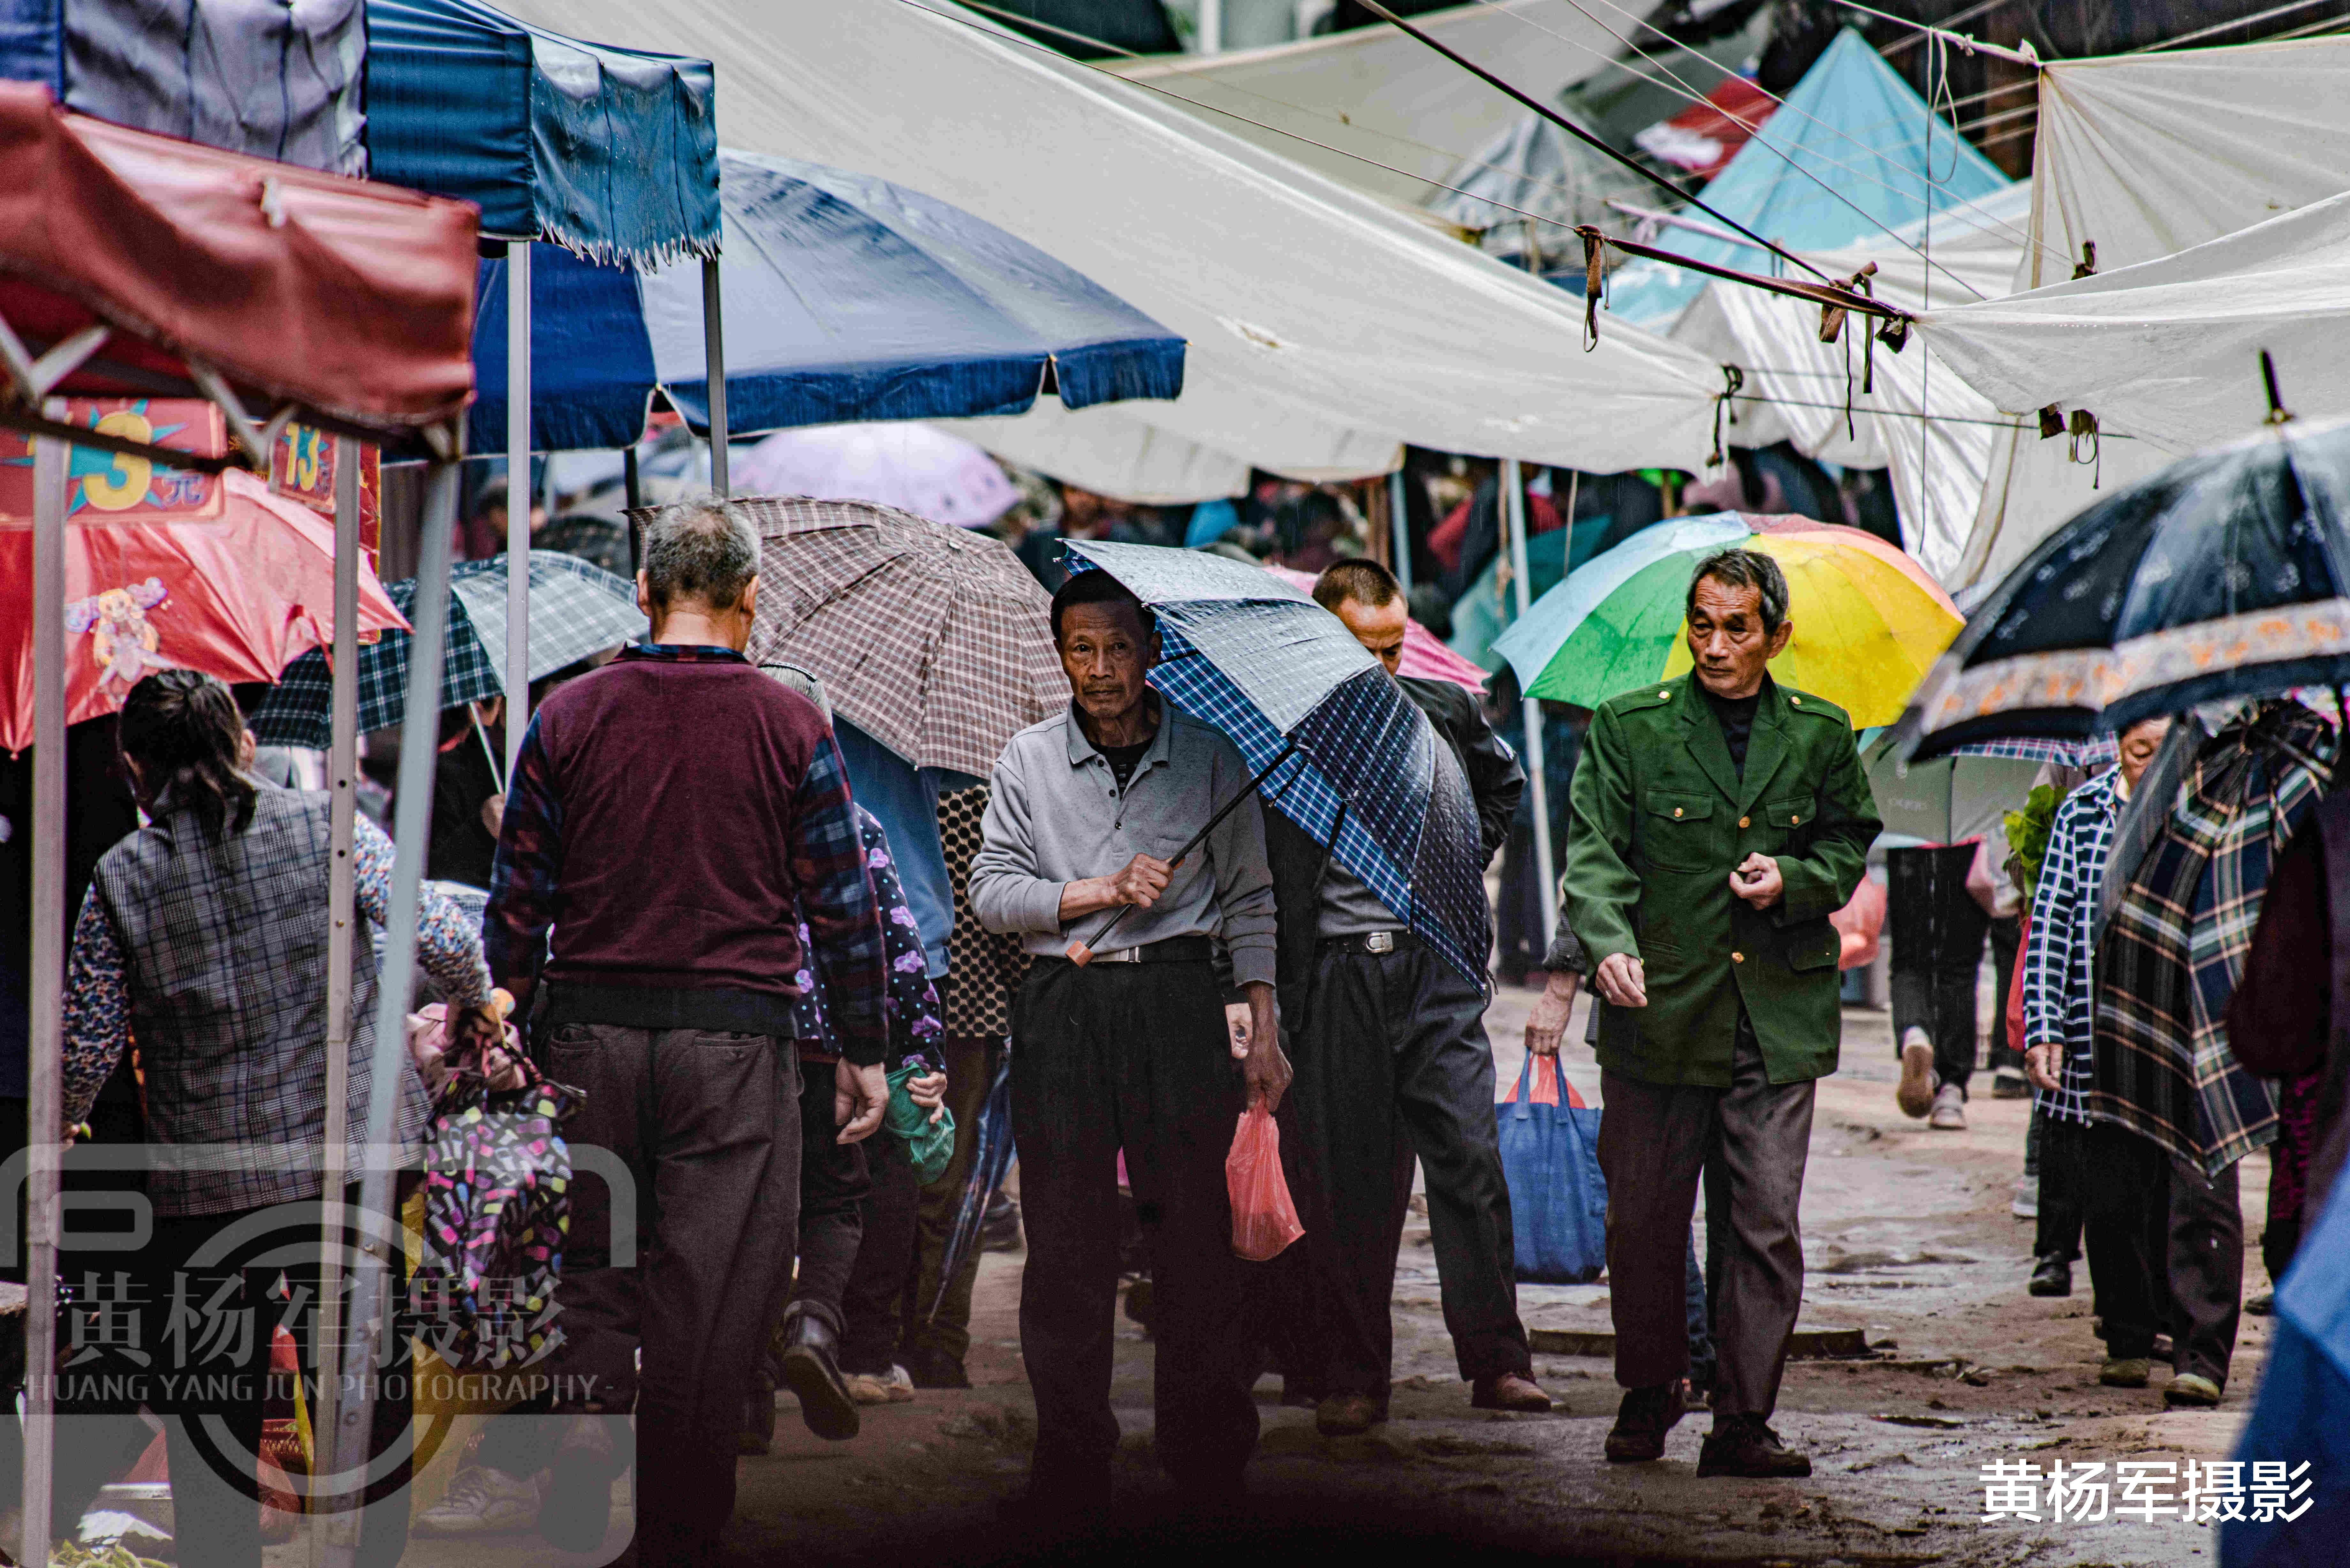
(1393, 1061)
(1127, 1048)
(1718, 820)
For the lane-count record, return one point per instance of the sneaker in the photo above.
(1642, 1420)
(1949, 1113)
(2009, 1084)
(895, 1386)
(2192, 1389)
(578, 1511)
(2053, 1277)
(1746, 1446)
(2123, 1371)
(811, 1371)
(482, 1501)
(2025, 1204)
(1914, 1093)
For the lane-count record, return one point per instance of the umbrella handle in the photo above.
(1081, 952)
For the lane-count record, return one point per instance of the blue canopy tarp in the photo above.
(277, 81)
(846, 298)
(1848, 157)
(610, 152)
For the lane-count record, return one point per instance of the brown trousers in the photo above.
(708, 1126)
(1749, 1141)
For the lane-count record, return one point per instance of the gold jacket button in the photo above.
(1745, 822)
(1798, 818)
(1738, 958)
(1677, 810)
(1798, 701)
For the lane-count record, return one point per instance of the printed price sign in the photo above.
(302, 468)
(106, 487)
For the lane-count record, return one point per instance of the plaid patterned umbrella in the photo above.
(1366, 773)
(934, 640)
(575, 610)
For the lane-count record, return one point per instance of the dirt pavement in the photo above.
(1906, 1236)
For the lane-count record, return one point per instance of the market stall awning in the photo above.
(277, 81)
(1317, 318)
(134, 264)
(847, 298)
(611, 152)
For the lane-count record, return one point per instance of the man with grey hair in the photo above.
(667, 815)
(1718, 820)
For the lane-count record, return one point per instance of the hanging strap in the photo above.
(1523, 1094)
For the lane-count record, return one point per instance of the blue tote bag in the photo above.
(1558, 1199)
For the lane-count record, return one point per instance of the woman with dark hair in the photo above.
(205, 936)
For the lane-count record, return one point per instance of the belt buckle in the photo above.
(1120, 955)
(1379, 942)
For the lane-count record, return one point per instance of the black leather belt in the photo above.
(1372, 942)
(1174, 949)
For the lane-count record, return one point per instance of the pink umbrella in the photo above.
(1424, 658)
(910, 467)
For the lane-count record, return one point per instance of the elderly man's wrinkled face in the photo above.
(1727, 641)
(2139, 745)
(1106, 653)
(1379, 628)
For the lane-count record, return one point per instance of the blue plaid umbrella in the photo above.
(1336, 744)
(575, 610)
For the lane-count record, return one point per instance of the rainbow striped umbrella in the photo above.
(1869, 622)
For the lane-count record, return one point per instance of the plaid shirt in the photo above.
(2060, 960)
(837, 898)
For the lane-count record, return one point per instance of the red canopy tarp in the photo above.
(352, 300)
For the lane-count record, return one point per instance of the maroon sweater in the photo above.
(666, 816)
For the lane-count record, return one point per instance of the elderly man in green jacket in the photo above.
(1718, 820)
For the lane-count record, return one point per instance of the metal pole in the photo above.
(1514, 523)
(519, 496)
(1212, 26)
(342, 779)
(1401, 528)
(372, 1301)
(713, 344)
(45, 1108)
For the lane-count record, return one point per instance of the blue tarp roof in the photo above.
(611, 152)
(846, 298)
(1847, 156)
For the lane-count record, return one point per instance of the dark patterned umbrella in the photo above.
(575, 611)
(2226, 574)
(1339, 749)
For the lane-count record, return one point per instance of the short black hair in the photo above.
(1366, 582)
(1097, 586)
(1744, 569)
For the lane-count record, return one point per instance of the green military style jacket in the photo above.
(1660, 818)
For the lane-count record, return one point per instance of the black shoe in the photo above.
(2054, 1277)
(812, 1371)
(1746, 1446)
(578, 1511)
(931, 1368)
(1642, 1421)
(999, 1230)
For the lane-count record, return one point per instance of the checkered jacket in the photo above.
(225, 946)
(2060, 958)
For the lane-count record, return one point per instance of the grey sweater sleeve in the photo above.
(1005, 890)
(1244, 874)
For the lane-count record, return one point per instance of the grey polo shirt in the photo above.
(1055, 815)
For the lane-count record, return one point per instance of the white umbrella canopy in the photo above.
(909, 467)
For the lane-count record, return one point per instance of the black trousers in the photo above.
(833, 1180)
(1131, 1057)
(2063, 1186)
(2158, 1227)
(1937, 948)
(972, 1065)
(2006, 942)
(708, 1126)
(873, 1302)
(1393, 1061)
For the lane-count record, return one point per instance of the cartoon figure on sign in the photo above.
(122, 640)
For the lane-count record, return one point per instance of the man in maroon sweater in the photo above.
(666, 815)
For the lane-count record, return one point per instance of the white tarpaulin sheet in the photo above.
(1320, 322)
(1377, 93)
(2169, 351)
(1106, 450)
(2145, 155)
(1801, 384)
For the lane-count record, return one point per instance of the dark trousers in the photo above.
(2006, 940)
(1749, 1141)
(873, 1302)
(2063, 1186)
(834, 1181)
(1937, 932)
(971, 1073)
(153, 1327)
(1131, 1057)
(708, 1124)
(1392, 1061)
(2159, 1227)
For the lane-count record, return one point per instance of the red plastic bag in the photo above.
(1264, 1218)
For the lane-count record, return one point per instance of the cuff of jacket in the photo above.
(1566, 953)
(1253, 965)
